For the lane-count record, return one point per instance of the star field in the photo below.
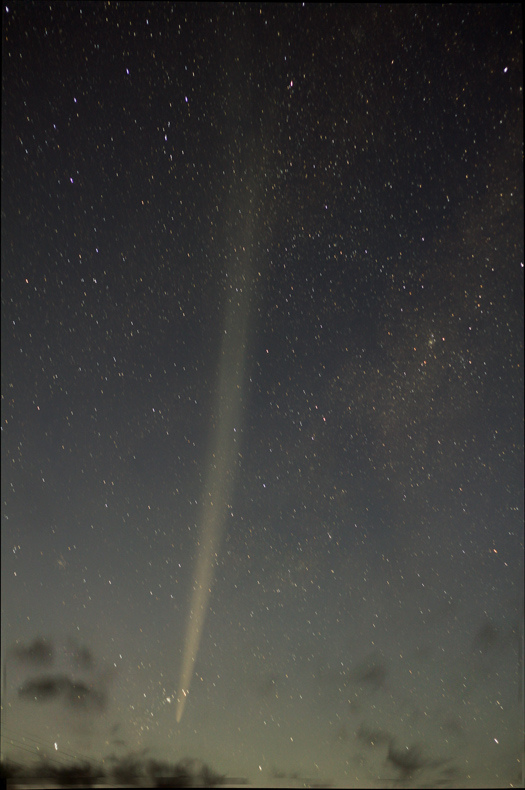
(300, 225)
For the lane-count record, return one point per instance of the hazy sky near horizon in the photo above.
(270, 256)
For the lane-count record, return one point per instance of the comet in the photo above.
(222, 461)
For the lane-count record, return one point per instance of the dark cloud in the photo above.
(372, 737)
(294, 779)
(452, 726)
(486, 638)
(75, 774)
(370, 673)
(40, 689)
(39, 652)
(129, 768)
(188, 772)
(133, 769)
(411, 763)
(74, 693)
(406, 760)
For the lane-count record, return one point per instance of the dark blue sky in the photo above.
(344, 182)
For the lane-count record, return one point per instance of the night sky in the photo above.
(264, 262)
